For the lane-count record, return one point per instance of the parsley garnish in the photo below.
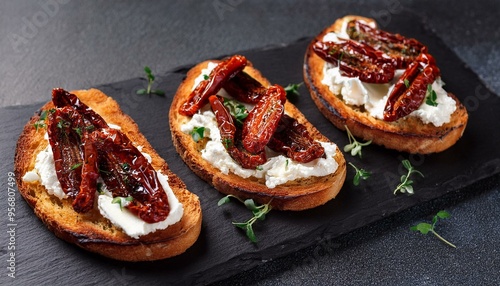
(430, 96)
(151, 79)
(259, 213)
(407, 83)
(78, 131)
(228, 143)
(206, 77)
(121, 201)
(41, 122)
(425, 228)
(360, 174)
(406, 184)
(197, 133)
(237, 110)
(293, 89)
(354, 146)
(76, 166)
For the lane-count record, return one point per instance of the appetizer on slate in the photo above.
(95, 181)
(384, 87)
(239, 133)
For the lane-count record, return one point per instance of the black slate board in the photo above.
(222, 250)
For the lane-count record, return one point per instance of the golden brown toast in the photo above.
(91, 231)
(300, 194)
(408, 134)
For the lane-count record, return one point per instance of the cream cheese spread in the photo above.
(373, 97)
(45, 173)
(278, 169)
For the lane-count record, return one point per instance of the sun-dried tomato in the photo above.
(403, 50)
(357, 60)
(409, 91)
(263, 119)
(223, 72)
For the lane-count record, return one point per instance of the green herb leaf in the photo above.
(354, 147)
(206, 77)
(406, 184)
(100, 189)
(148, 89)
(425, 228)
(141, 91)
(259, 168)
(407, 83)
(360, 174)
(293, 89)
(78, 131)
(258, 211)
(224, 200)
(198, 133)
(237, 110)
(76, 166)
(430, 96)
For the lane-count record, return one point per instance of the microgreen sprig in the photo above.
(354, 146)
(425, 228)
(197, 133)
(360, 174)
(259, 213)
(293, 89)
(237, 110)
(151, 79)
(430, 96)
(406, 184)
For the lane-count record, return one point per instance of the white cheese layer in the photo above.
(374, 96)
(45, 173)
(277, 170)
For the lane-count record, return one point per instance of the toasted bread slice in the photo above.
(300, 194)
(408, 134)
(91, 231)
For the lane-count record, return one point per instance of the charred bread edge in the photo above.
(407, 135)
(297, 195)
(92, 231)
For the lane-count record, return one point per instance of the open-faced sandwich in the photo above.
(240, 134)
(95, 181)
(383, 87)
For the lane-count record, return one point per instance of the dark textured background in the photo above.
(85, 44)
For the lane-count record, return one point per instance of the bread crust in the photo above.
(91, 231)
(297, 195)
(408, 134)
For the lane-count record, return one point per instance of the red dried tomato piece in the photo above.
(409, 91)
(357, 60)
(262, 120)
(403, 50)
(245, 88)
(293, 139)
(223, 72)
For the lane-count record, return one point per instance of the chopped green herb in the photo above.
(125, 167)
(259, 213)
(206, 77)
(197, 133)
(286, 165)
(293, 89)
(76, 166)
(90, 127)
(228, 143)
(259, 168)
(360, 174)
(151, 79)
(407, 83)
(41, 121)
(430, 96)
(406, 184)
(425, 228)
(237, 110)
(354, 146)
(121, 201)
(78, 131)
(100, 189)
